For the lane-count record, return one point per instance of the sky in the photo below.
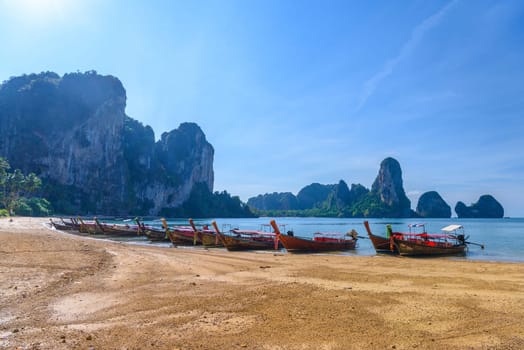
(291, 92)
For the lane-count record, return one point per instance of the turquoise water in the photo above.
(502, 238)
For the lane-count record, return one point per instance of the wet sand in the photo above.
(61, 291)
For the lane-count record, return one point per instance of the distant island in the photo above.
(485, 207)
(385, 199)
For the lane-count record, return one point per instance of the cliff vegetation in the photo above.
(18, 193)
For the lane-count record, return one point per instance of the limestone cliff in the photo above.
(274, 201)
(73, 132)
(185, 158)
(339, 198)
(389, 189)
(313, 195)
(486, 207)
(431, 205)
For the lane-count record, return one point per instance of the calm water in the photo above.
(502, 237)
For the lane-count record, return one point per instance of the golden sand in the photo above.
(60, 291)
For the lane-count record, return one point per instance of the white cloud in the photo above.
(416, 36)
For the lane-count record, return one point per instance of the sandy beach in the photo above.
(60, 291)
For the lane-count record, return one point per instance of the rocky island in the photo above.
(486, 207)
(431, 205)
(386, 198)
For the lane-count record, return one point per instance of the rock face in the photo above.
(309, 197)
(187, 159)
(313, 195)
(431, 205)
(72, 131)
(386, 199)
(339, 197)
(357, 193)
(486, 207)
(274, 201)
(388, 187)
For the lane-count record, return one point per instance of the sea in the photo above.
(502, 238)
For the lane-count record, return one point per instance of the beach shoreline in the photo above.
(63, 291)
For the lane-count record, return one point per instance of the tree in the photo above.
(14, 184)
(4, 167)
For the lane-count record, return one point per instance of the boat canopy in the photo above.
(416, 225)
(451, 228)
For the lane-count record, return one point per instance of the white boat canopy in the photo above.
(451, 228)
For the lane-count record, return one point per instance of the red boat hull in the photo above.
(422, 248)
(233, 243)
(295, 244)
(381, 244)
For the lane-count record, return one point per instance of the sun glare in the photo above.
(37, 10)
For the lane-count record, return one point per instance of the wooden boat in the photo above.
(381, 244)
(181, 235)
(90, 227)
(321, 242)
(153, 233)
(208, 237)
(450, 242)
(117, 229)
(64, 225)
(247, 239)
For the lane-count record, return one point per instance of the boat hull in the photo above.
(381, 244)
(64, 226)
(118, 231)
(209, 239)
(183, 237)
(155, 235)
(297, 244)
(90, 228)
(415, 248)
(238, 243)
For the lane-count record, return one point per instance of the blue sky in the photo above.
(295, 92)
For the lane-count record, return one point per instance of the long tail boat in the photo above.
(74, 222)
(381, 244)
(63, 226)
(90, 227)
(237, 239)
(450, 242)
(181, 235)
(117, 229)
(321, 241)
(208, 237)
(151, 232)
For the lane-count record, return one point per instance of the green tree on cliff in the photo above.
(15, 184)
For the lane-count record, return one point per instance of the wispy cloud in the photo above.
(416, 36)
